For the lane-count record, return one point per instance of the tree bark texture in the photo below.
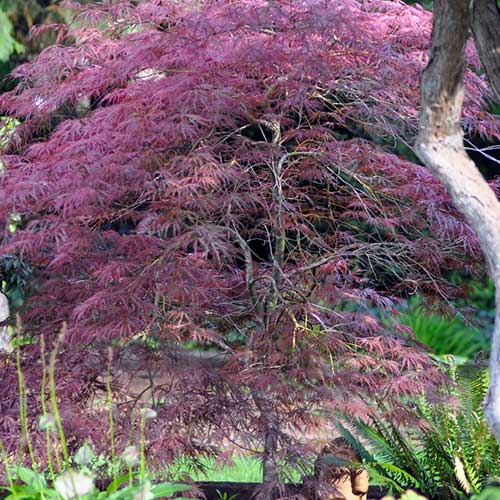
(440, 147)
(485, 25)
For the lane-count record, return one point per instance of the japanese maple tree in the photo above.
(224, 173)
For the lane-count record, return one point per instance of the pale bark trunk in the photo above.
(440, 147)
(492, 407)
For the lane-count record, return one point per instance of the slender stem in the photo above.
(53, 396)
(23, 405)
(279, 229)
(141, 444)
(44, 412)
(109, 395)
(249, 273)
(6, 464)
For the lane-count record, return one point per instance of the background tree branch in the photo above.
(485, 25)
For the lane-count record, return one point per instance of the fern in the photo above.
(379, 465)
(452, 456)
(355, 443)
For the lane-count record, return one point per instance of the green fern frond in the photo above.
(475, 380)
(382, 478)
(354, 442)
(400, 475)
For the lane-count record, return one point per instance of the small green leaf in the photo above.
(30, 477)
(118, 481)
(123, 493)
(22, 491)
(168, 489)
(84, 455)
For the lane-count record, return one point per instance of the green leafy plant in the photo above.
(67, 477)
(224, 495)
(490, 493)
(444, 335)
(8, 44)
(480, 299)
(452, 455)
(32, 485)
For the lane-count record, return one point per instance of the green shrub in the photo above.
(8, 44)
(442, 334)
(453, 455)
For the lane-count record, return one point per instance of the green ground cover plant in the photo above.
(242, 470)
(27, 484)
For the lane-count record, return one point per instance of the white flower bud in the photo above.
(130, 455)
(84, 455)
(72, 484)
(148, 413)
(47, 422)
(145, 492)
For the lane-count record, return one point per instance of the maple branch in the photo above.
(280, 236)
(353, 250)
(440, 147)
(249, 274)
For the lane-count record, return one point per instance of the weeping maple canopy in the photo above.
(237, 175)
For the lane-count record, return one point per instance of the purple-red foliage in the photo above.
(208, 171)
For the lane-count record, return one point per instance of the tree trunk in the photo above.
(440, 147)
(270, 470)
